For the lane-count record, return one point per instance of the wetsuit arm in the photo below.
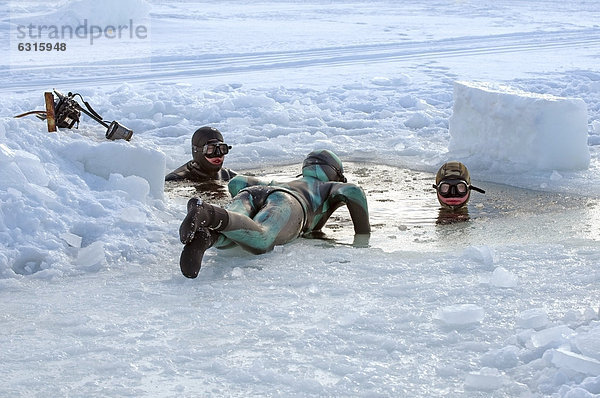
(192, 172)
(356, 201)
(180, 173)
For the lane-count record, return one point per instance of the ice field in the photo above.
(503, 304)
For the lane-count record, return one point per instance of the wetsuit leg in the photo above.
(277, 222)
(243, 203)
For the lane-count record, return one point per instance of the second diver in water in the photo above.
(453, 187)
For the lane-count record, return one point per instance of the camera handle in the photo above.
(96, 118)
(114, 131)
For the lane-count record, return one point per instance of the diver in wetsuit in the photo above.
(265, 214)
(453, 187)
(208, 152)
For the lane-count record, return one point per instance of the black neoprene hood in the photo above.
(201, 137)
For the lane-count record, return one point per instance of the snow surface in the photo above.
(93, 303)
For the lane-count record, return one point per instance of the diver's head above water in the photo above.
(208, 149)
(453, 185)
(323, 165)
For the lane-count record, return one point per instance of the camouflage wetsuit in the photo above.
(265, 214)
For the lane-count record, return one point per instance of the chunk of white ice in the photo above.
(460, 314)
(501, 277)
(578, 363)
(535, 318)
(487, 379)
(92, 256)
(71, 239)
(513, 127)
(480, 254)
(589, 343)
(553, 336)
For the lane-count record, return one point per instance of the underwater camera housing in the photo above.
(65, 112)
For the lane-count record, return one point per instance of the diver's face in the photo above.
(217, 161)
(453, 192)
(214, 152)
(453, 201)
